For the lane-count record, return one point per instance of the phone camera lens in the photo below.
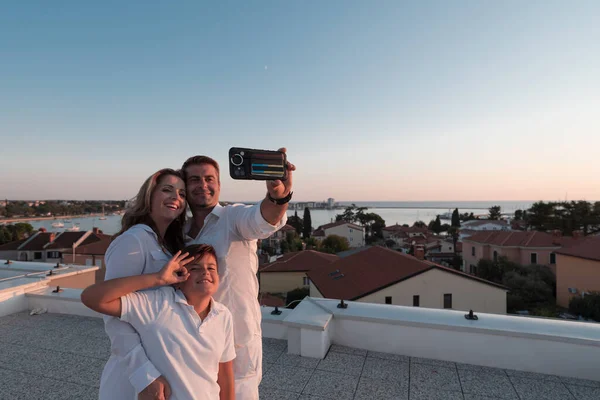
(237, 160)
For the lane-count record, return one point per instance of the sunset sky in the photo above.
(382, 100)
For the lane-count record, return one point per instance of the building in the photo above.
(524, 248)
(354, 233)
(57, 247)
(289, 271)
(577, 270)
(275, 239)
(487, 225)
(384, 276)
(90, 252)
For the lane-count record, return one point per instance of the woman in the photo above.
(151, 231)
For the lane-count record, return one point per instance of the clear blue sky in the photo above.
(383, 100)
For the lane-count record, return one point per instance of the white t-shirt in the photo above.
(233, 231)
(185, 349)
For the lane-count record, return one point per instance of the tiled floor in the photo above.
(53, 356)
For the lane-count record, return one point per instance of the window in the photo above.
(473, 250)
(495, 256)
(552, 258)
(305, 281)
(416, 301)
(54, 254)
(388, 299)
(533, 258)
(350, 230)
(448, 300)
(473, 269)
(37, 255)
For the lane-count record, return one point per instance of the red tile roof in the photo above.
(406, 229)
(95, 244)
(479, 222)
(371, 270)
(338, 223)
(300, 261)
(520, 239)
(288, 227)
(14, 245)
(65, 240)
(589, 249)
(319, 233)
(267, 299)
(38, 242)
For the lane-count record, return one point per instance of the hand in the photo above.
(175, 271)
(279, 189)
(159, 389)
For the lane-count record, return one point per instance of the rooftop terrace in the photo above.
(60, 356)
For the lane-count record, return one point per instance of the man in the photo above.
(233, 231)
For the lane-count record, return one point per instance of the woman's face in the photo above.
(168, 199)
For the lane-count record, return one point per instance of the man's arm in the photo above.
(105, 297)
(271, 212)
(226, 381)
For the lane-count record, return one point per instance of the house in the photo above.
(90, 252)
(354, 233)
(465, 233)
(275, 239)
(288, 272)
(577, 270)
(524, 248)
(53, 247)
(384, 276)
(404, 232)
(487, 225)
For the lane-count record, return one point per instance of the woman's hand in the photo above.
(175, 271)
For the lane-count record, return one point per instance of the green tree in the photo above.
(445, 227)
(455, 218)
(312, 243)
(296, 222)
(284, 246)
(374, 225)
(307, 230)
(519, 214)
(20, 230)
(494, 213)
(419, 224)
(587, 306)
(334, 244)
(5, 235)
(437, 225)
(453, 232)
(296, 294)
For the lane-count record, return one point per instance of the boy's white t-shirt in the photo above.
(186, 350)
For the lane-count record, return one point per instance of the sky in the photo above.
(375, 101)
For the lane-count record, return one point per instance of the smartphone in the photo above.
(256, 164)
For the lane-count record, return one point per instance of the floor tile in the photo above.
(348, 350)
(292, 379)
(330, 384)
(424, 376)
(388, 356)
(431, 361)
(434, 394)
(372, 388)
(386, 370)
(536, 389)
(342, 363)
(584, 392)
(486, 384)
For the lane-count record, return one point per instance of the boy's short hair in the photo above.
(200, 250)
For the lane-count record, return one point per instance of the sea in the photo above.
(392, 212)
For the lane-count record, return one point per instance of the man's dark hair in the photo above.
(200, 250)
(198, 160)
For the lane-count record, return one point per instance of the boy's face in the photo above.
(203, 279)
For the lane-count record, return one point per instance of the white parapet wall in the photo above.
(548, 346)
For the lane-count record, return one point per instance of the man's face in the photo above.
(204, 277)
(203, 186)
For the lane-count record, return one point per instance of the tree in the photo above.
(296, 222)
(307, 230)
(296, 294)
(437, 225)
(495, 213)
(5, 235)
(311, 243)
(445, 227)
(455, 218)
(284, 246)
(587, 306)
(334, 244)
(519, 214)
(374, 225)
(419, 224)
(454, 234)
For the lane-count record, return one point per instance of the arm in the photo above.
(226, 381)
(105, 297)
(126, 257)
(271, 212)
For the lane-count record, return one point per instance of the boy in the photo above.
(187, 335)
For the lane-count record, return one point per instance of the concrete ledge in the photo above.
(66, 302)
(308, 315)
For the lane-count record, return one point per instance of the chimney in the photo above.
(52, 236)
(95, 230)
(420, 252)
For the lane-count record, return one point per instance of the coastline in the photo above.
(25, 219)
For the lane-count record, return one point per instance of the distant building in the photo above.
(330, 203)
(487, 225)
(289, 271)
(384, 276)
(275, 239)
(354, 233)
(577, 270)
(524, 248)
